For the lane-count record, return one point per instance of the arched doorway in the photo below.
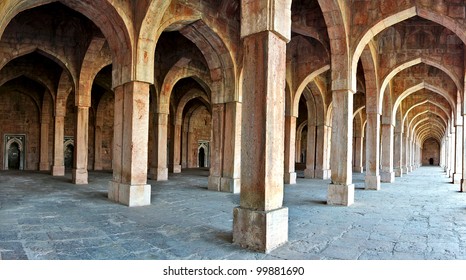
(14, 152)
(68, 152)
(201, 157)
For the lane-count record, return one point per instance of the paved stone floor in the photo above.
(421, 216)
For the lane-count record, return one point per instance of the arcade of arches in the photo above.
(250, 89)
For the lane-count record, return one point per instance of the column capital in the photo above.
(266, 15)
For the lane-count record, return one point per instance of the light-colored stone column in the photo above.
(387, 175)
(398, 154)
(451, 170)
(341, 190)
(309, 172)
(175, 164)
(80, 174)
(216, 147)
(131, 136)
(411, 154)
(159, 170)
(373, 151)
(261, 222)
(44, 143)
(230, 181)
(358, 154)
(58, 168)
(322, 169)
(290, 139)
(458, 175)
(463, 154)
(406, 153)
(184, 147)
(98, 145)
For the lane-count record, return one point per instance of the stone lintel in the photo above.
(79, 176)
(372, 182)
(290, 178)
(260, 231)
(340, 194)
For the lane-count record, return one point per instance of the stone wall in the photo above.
(431, 149)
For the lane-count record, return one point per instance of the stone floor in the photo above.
(421, 216)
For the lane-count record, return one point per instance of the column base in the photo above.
(175, 168)
(457, 177)
(290, 178)
(58, 170)
(372, 182)
(340, 194)
(260, 231)
(158, 174)
(129, 195)
(309, 173)
(214, 183)
(463, 185)
(44, 166)
(358, 169)
(79, 176)
(387, 177)
(410, 169)
(323, 174)
(404, 170)
(232, 185)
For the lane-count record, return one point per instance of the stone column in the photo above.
(58, 168)
(261, 222)
(406, 153)
(80, 173)
(159, 170)
(184, 147)
(309, 172)
(98, 145)
(447, 154)
(462, 182)
(358, 154)
(398, 154)
(44, 142)
(452, 155)
(290, 144)
(216, 147)
(372, 151)
(341, 189)
(458, 175)
(387, 174)
(230, 181)
(131, 136)
(175, 165)
(322, 170)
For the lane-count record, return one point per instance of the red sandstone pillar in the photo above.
(372, 151)
(80, 173)
(58, 168)
(290, 139)
(230, 181)
(175, 164)
(216, 148)
(261, 222)
(159, 170)
(387, 174)
(44, 142)
(131, 136)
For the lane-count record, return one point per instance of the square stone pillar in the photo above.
(406, 154)
(80, 174)
(309, 172)
(131, 136)
(341, 190)
(458, 175)
(372, 151)
(158, 169)
(358, 154)
(398, 154)
(58, 168)
(290, 144)
(44, 143)
(322, 169)
(175, 148)
(231, 174)
(261, 222)
(387, 175)
(216, 147)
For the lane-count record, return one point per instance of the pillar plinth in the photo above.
(323, 174)
(290, 178)
(457, 177)
(130, 195)
(387, 177)
(260, 230)
(309, 173)
(158, 173)
(175, 168)
(340, 194)
(372, 182)
(58, 170)
(79, 176)
(463, 185)
(358, 169)
(398, 172)
(232, 185)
